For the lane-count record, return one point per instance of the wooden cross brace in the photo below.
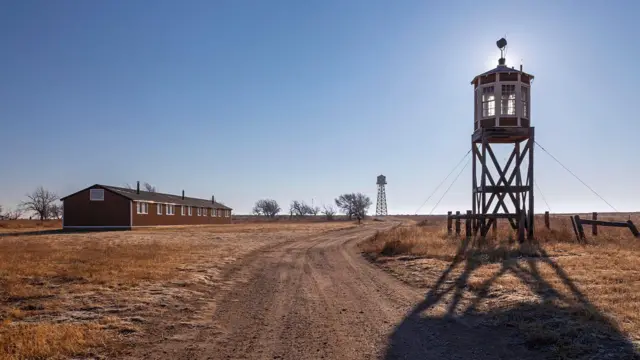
(502, 181)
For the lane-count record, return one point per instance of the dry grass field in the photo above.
(565, 297)
(23, 225)
(95, 293)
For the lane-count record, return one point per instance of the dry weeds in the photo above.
(71, 293)
(46, 340)
(21, 225)
(594, 285)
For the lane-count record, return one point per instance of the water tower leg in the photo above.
(474, 185)
(483, 181)
(531, 143)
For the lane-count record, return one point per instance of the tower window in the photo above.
(488, 101)
(524, 94)
(508, 100)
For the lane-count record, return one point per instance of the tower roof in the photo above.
(501, 69)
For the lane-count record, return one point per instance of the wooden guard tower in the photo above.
(502, 118)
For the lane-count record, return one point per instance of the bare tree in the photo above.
(314, 210)
(266, 207)
(329, 212)
(300, 208)
(148, 187)
(55, 211)
(39, 202)
(12, 214)
(354, 204)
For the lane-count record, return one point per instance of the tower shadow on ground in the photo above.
(555, 326)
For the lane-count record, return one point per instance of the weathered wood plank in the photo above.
(604, 223)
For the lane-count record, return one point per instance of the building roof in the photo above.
(132, 194)
(501, 69)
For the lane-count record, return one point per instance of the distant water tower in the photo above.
(381, 205)
(502, 117)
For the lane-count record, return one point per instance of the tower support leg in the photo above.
(503, 189)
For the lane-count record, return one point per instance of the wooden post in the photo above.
(457, 222)
(547, 223)
(521, 232)
(449, 223)
(467, 224)
(594, 227)
(494, 227)
(633, 228)
(575, 228)
(483, 182)
(530, 229)
(474, 183)
(579, 227)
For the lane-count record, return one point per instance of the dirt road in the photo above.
(316, 297)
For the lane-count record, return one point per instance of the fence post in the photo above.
(575, 228)
(633, 228)
(467, 224)
(449, 223)
(579, 227)
(594, 227)
(547, 223)
(457, 222)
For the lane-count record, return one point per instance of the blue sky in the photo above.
(310, 99)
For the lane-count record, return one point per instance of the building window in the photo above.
(217, 212)
(96, 194)
(524, 95)
(171, 210)
(508, 100)
(199, 212)
(189, 208)
(159, 209)
(143, 208)
(213, 212)
(182, 210)
(227, 213)
(488, 101)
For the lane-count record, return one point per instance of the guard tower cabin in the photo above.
(502, 99)
(502, 115)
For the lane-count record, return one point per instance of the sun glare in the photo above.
(491, 60)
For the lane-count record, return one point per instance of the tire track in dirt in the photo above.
(310, 299)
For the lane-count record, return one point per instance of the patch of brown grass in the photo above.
(596, 285)
(47, 341)
(428, 238)
(58, 291)
(29, 225)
